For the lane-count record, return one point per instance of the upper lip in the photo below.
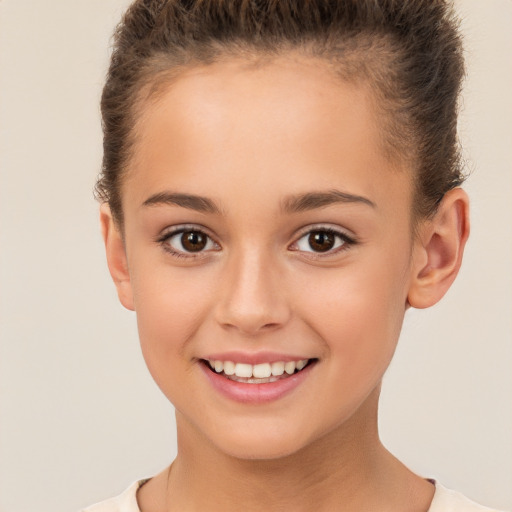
(254, 358)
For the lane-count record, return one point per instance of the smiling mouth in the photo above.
(262, 373)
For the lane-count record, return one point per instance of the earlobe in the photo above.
(116, 257)
(438, 250)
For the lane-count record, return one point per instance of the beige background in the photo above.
(80, 417)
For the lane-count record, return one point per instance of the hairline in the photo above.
(349, 68)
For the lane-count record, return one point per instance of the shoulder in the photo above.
(125, 502)
(446, 500)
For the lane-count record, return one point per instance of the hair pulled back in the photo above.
(409, 52)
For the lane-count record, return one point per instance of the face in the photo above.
(268, 236)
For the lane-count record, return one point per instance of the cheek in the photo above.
(358, 312)
(170, 309)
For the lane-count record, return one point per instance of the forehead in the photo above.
(288, 121)
(300, 91)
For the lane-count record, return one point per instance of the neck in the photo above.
(347, 466)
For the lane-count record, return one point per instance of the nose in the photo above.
(252, 296)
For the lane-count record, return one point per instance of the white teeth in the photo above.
(229, 368)
(261, 371)
(277, 368)
(243, 370)
(289, 367)
(300, 364)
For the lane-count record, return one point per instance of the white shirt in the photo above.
(444, 501)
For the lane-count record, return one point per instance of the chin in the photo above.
(260, 450)
(258, 443)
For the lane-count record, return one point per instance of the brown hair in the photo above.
(408, 51)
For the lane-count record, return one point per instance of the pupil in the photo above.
(193, 241)
(321, 241)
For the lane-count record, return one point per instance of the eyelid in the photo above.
(331, 228)
(178, 228)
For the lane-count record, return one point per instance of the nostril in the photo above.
(251, 298)
(250, 327)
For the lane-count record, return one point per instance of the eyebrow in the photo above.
(292, 204)
(313, 200)
(190, 201)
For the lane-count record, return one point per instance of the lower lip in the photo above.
(256, 393)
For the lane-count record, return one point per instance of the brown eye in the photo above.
(188, 241)
(321, 241)
(193, 241)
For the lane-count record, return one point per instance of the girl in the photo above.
(280, 184)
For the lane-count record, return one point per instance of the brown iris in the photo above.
(321, 241)
(193, 241)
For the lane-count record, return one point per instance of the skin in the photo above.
(251, 139)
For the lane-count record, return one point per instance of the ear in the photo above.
(116, 257)
(438, 250)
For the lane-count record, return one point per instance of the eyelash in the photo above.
(168, 235)
(342, 239)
